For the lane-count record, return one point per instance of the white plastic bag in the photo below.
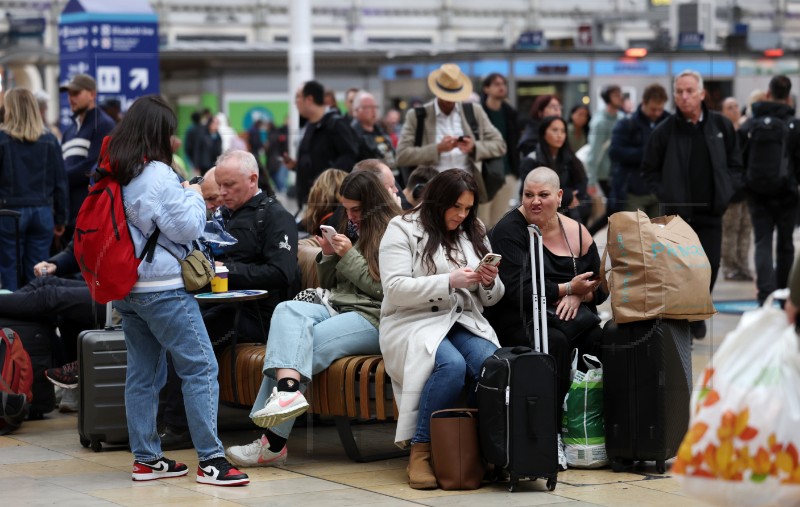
(744, 435)
(582, 425)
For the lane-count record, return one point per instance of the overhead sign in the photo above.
(116, 44)
(584, 35)
(691, 40)
(531, 40)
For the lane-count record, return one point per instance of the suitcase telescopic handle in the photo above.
(540, 343)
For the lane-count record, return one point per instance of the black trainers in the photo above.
(162, 468)
(65, 377)
(218, 472)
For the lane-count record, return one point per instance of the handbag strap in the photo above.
(571, 255)
(469, 412)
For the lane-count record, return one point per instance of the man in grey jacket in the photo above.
(447, 139)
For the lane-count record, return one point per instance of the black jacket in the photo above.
(785, 113)
(329, 143)
(207, 148)
(266, 255)
(628, 141)
(368, 148)
(665, 167)
(512, 134)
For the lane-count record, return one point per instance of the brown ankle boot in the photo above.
(420, 469)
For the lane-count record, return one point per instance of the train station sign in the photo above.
(116, 43)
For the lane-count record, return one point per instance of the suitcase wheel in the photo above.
(512, 485)
(621, 465)
(551, 484)
(96, 445)
(661, 467)
(84, 441)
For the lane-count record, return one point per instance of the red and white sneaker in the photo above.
(280, 407)
(256, 454)
(162, 468)
(218, 472)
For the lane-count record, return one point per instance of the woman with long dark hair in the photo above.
(158, 315)
(32, 182)
(305, 337)
(543, 106)
(578, 129)
(432, 327)
(553, 150)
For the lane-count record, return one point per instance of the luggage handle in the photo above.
(540, 343)
(109, 319)
(530, 415)
(455, 412)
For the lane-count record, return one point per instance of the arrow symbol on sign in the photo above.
(140, 78)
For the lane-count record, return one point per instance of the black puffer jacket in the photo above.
(665, 167)
(628, 141)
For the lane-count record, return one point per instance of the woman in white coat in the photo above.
(433, 335)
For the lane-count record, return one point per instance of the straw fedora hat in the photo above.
(449, 83)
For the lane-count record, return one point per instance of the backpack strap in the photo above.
(421, 114)
(469, 113)
(150, 247)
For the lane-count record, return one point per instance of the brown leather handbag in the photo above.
(457, 460)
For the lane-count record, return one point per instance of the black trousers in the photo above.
(770, 215)
(709, 230)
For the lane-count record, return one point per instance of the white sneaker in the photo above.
(280, 407)
(256, 454)
(562, 455)
(70, 400)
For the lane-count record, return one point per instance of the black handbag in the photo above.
(584, 320)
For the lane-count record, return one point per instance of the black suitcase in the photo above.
(103, 360)
(647, 369)
(38, 339)
(517, 399)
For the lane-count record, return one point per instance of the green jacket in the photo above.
(598, 165)
(352, 287)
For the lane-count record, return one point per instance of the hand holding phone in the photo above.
(328, 232)
(492, 259)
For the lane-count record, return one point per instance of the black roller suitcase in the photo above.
(103, 365)
(38, 339)
(646, 390)
(517, 399)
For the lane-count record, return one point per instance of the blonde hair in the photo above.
(323, 198)
(22, 120)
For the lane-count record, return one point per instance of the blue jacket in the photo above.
(156, 198)
(81, 149)
(32, 174)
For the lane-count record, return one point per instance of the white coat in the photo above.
(418, 311)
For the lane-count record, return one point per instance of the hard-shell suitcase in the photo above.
(517, 398)
(103, 364)
(37, 338)
(647, 368)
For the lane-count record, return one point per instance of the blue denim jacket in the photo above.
(156, 198)
(32, 174)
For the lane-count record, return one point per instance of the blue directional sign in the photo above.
(116, 43)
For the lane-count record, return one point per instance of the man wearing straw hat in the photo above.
(447, 139)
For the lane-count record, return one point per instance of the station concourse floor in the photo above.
(43, 463)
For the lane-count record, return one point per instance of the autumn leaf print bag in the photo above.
(744, 435)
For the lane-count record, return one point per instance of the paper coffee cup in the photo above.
(220, 281)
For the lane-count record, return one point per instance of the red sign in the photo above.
(584, 35)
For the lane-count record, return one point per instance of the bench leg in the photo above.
(345, 430)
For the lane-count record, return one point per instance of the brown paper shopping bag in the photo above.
(658, 269)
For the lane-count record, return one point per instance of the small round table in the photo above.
(235, 296)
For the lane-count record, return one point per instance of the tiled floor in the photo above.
(43, 464)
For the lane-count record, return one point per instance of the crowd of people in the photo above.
(402, 262)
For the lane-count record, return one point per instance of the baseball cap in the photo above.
(79, 82)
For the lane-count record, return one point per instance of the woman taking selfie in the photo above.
(433, 333)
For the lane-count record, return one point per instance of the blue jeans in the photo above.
(155, 323)
(305, 337)
(36, 235)
(460, 356)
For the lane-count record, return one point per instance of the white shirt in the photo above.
(450, 125)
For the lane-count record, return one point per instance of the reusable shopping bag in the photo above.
(583, 433)
(658, 269)
(744, 434)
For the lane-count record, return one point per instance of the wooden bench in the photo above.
(353, 388)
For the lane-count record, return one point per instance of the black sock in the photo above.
(276, 443)
(288, 385)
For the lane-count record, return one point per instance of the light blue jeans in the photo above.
(155, 323)
(305, 337)
(459, 358)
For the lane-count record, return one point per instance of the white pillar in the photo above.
(301, 59)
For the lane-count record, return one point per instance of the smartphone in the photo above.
(328, 232)
(197, 180)
(461, 139)
(491, 259)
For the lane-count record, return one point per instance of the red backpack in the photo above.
(16, 376)
(103, 245)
